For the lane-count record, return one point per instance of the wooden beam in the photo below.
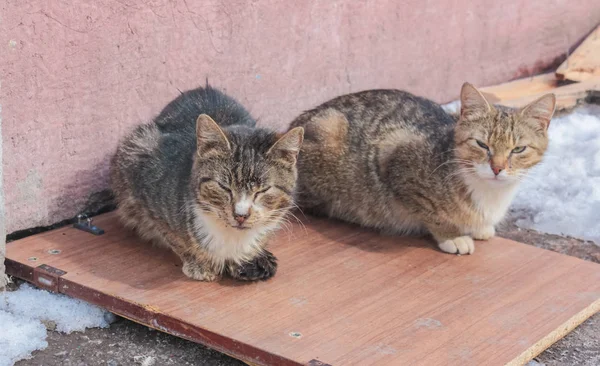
(567, 96)
(520, 88)
(584, 63)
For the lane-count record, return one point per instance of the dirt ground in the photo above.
(127, 343)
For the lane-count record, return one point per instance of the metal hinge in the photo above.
(47, 277)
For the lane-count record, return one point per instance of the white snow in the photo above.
(452, 107)
(562, 194)
(19, 336)
(24, 312)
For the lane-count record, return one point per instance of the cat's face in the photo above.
(499, 145)
(245, 180)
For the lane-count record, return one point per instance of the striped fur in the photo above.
(211, 190)
(396, 162)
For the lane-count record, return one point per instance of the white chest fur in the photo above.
(227, 243)
(491, 198)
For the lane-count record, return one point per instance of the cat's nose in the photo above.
(241, 218)
(497, 169)
(242, 210)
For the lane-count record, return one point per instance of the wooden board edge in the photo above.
(515, 89)
(567, 96)
(19, 270)
(563, 72)
(554, 336)
(153, 318)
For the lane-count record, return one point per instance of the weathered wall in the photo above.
(3, 277)
(76, 76)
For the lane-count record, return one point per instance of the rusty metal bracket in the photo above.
(47, 277)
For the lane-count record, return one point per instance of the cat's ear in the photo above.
(540, 112)
(286, 149)
(210, 137)
(472, 103)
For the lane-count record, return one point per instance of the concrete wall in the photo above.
(3, 277)
(76, 76)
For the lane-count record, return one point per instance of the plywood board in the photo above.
(516, 89)
(584, 62)
(567, 96)
(342, 295)
(521, 92)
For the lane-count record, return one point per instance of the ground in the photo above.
(127, 343)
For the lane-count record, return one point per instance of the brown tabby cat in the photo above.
(390, 160)
(210, 191)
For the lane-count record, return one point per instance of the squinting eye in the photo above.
(225, 189)
(261, 192)
(482, 145)
(518, 149)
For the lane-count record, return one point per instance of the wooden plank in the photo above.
(567, 96)
(342, 296)
(516, 89)
(584, 63)
(519, 93)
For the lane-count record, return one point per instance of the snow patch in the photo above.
(19, 337)
(452, 107)
(24, 312)
(562, 194)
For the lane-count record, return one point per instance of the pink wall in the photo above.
(76, 77)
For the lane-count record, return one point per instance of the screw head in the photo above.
(32, 259)
(295, 334)
(54, 251)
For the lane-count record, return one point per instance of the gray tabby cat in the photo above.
(210, 191)
(393, 161)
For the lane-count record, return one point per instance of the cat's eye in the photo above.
(518, 149)
(264, 190)
(223, 187)
(482, 145)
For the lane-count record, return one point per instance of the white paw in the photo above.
(197, 272)
(486, 233)
(460, 245)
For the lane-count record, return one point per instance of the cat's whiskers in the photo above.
(294, 205)
(452, 161)
(461, 172)
(282, 216)
(298, 220)
(279, 221)
(444, 152)
(526, 178)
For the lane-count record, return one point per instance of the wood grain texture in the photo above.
(521, 92)
(519, 88)
(342, 296)
(567, 96)
(584, 63)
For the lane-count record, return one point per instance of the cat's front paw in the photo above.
(263, 267)
(199, 272)
(459, 245)
(485, 233)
